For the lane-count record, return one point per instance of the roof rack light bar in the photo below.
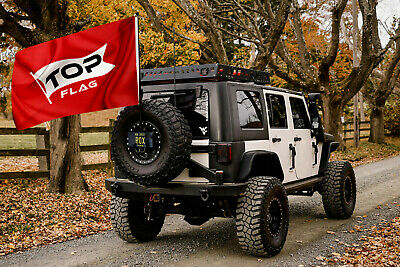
(206, 72)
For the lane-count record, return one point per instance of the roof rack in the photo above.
(206, 72)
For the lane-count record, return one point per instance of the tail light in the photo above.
(224, 153)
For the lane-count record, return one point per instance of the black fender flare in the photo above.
(327, 149)
(260, 162)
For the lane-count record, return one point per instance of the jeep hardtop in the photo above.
(215, 141)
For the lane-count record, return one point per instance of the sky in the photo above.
(386, 9)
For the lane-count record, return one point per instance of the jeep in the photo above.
(215, 141)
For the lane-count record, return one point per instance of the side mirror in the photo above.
(313, 97)
(316, 124)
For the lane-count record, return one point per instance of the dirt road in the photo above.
(215, 244)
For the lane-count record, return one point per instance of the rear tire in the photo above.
(338, 190)
(166, 154)
(262, 217)
(130, 222)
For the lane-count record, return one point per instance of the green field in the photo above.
(29, 141)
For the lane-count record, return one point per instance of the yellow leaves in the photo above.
(155, 52)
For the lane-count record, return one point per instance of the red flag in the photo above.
(88, 71)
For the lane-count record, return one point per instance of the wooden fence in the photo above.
(46, 151)
(363, 127)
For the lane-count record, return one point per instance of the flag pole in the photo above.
(140, 90)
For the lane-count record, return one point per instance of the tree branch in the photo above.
(156, 21)
(330, 58)
(285, 75)
(10, 26)
(274, 34)
(207, 25)
(298, 31)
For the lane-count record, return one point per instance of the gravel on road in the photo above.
(215, 244)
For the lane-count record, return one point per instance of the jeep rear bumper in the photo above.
(124, 188)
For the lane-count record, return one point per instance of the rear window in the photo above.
(250, 109)
(197, 115)
(276, 111)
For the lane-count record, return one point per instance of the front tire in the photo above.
(130, 221)
(262, 217)
(338, 190)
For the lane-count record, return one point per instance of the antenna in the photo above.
(173, 37)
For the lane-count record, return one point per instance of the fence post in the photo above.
(110, 169)
(344, 134)
(40, 144)
(356, 132)
(47, 146)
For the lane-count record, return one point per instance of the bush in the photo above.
(392, 115)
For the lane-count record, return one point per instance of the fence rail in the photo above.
(348, 129)
(38, 152)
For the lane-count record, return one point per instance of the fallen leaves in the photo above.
(368, 152)
(31, 217)
(380, 247)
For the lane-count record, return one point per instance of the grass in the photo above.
(29, 141)
(99, 118)
(369, 152)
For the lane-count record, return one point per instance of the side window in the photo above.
(194, 109)
(198, 118)
(250, 109)
(299, 114)
(276, 111)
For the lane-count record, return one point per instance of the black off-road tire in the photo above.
(260, 231)
(338, 190)
(128, 220)
(175, 142)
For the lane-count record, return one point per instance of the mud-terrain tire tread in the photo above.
(249, 213)
(127, 227)
(179, 136)
(331, 189)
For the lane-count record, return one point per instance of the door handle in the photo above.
(292, 155)
(296, 139)
(275, 139)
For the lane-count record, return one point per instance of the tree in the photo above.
(383, 78)
(378, 93)
(291, 57)
(299, 71)
(30, 23)
(226, 25)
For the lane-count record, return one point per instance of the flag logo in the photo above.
(59, 74)
(91, 70)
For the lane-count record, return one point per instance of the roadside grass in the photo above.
(369, 152)
(29, 141)
(30, 217)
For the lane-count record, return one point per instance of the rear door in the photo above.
(281, 137)
(305, 145)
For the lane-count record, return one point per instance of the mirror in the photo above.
(316, 124)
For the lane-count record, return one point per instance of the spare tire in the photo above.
(151, 142)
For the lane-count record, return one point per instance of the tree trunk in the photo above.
(333, 110)
(377, 134)
(65, 164)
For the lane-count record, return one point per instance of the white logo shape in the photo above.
(62, 73)
(203, 130)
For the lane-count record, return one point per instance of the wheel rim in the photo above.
(275, 217)
(147, 152)
(347, 189)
